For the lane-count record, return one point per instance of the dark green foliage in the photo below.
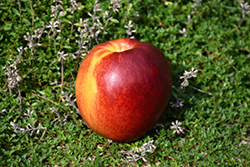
(215, 119)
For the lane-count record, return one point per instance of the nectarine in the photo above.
(122, 88)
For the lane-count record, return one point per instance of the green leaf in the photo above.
(67, 47)
(168, 3)
(78, 25)
(6, 28)
(81, 6)
(42, 92)
(66, 21)
(26, 21)
(16, 11)
(130, 7)
(114, 21)
(67, 41)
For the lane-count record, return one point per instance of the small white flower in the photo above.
(189, 19)
(53, 24)
(20, 49)
(177, 104)
(176, 127)
(183, 31)
(105, 14)
(137, 14)
(244, 8)
(110, 141)
(62, 56)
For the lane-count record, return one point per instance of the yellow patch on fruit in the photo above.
(120, 47)
(90, 80)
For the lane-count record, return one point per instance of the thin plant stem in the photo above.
(61, 46)
(93, 21)
(62, 75)
(201, 90)
(32, 50)
(57, 105)
(223, 54)
(72, 26)
(34, 69)
(20, 98)
(127, 11)
(33, 63)
(47, 132)
(104, 29)
(55, 43)
(50, 66)
(33, 15)
(33, 18)
(20, 11)
(178, 96)
(241, 21)
(236, 28)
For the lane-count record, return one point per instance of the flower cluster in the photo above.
(30, 128)
(54, 110)
(188, 75)
(88, 30)
(185, 83)
(115, 5)
(194, 6)
(55, 24)
(12, 72)
(74, 5)
(94, 30)
(83, 35)
(138, 153)
(197, 3)
(245, 9)
(129, 30)
(67, 97)
(13, 77)
(34, 39)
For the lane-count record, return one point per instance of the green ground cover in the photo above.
(42, 43)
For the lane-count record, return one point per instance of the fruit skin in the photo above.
(122, 88)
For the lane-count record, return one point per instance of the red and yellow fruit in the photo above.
(122, 88)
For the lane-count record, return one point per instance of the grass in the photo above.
(41, 48)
